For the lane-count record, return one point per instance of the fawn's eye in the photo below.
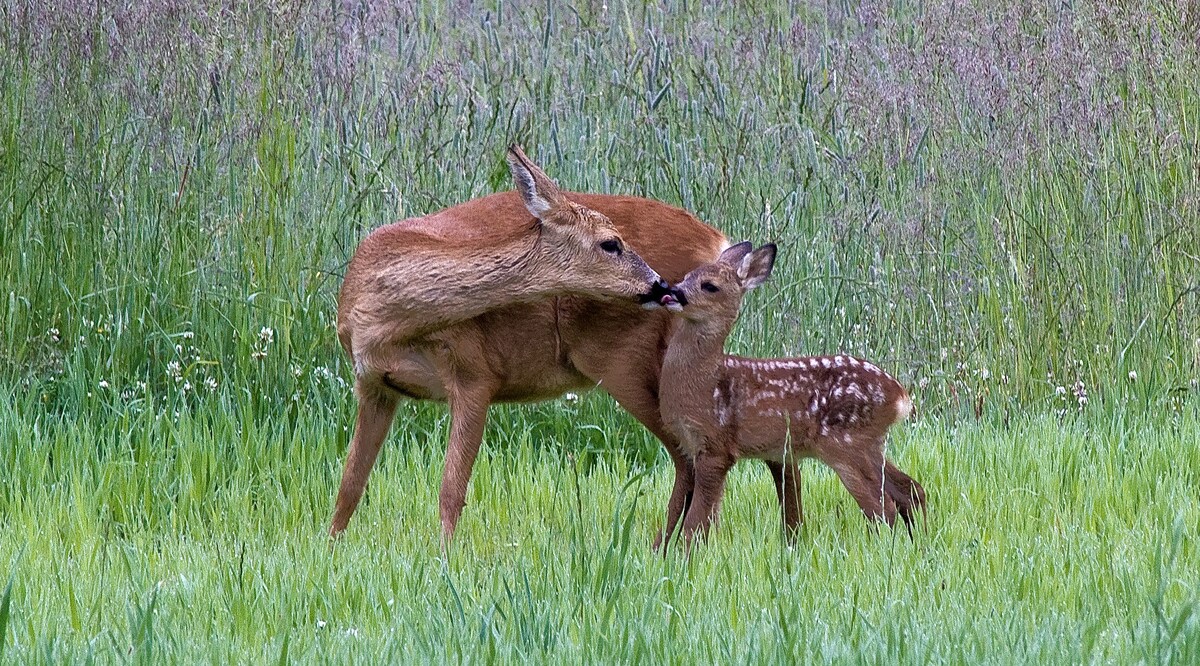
(709, 287)
(611, 247)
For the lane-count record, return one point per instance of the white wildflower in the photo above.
(103, 384)
(266, 335)
(1133, 375)
(1080, 393)
(210, 383)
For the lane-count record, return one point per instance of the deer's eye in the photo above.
(611, 247)
(709, 287)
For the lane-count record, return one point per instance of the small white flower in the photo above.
(571, 397)
(175, 370)
(210, 383)
(54, 335)
(1133, 375)
(187, 386)
(103, 384)
(321, 624)
(258, 355)
(187, 335)
(1060, 390)
(266, 335)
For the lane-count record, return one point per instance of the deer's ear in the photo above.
(539, 193)
(755, 267)
(734, 254)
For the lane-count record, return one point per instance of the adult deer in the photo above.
(722, 408)
(516, 296)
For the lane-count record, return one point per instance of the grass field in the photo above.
(998, 203)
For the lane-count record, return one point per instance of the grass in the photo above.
(1047, 541)
(996, 202)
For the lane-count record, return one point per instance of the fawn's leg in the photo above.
(376, 408)
(468, 415)
(711, 470)
(908, 495)
(863, 477)
(640, 399)
(629, 373)
(787, 491)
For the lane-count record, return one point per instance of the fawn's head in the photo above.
(587, 253)
(713, 292)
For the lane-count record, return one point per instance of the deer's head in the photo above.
(587, 254)
(713, 292)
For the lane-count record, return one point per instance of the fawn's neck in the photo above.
(693, 368)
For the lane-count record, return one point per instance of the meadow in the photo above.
(997, 203)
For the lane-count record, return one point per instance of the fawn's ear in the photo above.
(734, 254)
(755, 267)
(539, 193)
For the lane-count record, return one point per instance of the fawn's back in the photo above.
(807, 406)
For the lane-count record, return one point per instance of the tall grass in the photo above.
(997, 202)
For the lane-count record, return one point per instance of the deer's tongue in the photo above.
(673, 297)
(658, 290)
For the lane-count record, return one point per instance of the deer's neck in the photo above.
(690, 394)
(421, 290)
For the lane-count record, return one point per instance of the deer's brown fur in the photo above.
(469, 306)
(721, 408)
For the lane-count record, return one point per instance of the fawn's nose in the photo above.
(652, 298)
(673, 299)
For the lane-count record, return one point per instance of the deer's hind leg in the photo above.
(908, 495)
(376, 409)
(861, 469)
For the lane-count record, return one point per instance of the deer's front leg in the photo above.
(711, 470)
(787, 490)
(468, 415)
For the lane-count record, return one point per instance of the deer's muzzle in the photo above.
(659, 289)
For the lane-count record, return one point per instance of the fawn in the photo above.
(721, 408)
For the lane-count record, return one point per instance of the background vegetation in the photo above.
(997, 202)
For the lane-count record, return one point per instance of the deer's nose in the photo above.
(658, 289)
